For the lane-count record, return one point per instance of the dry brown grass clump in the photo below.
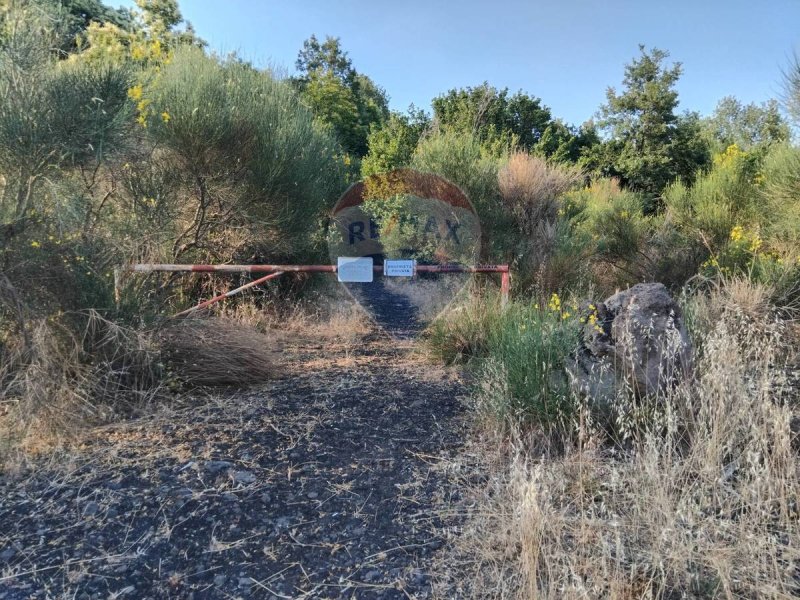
(54, 382)
(702, 501)
(217, 351)
(530, 186)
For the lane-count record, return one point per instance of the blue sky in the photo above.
(567, 52)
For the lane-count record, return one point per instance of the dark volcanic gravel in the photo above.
(324, 484)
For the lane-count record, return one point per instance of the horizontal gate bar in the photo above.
(174, 268)
(505, 280)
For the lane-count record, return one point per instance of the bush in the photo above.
(530, 187)
(461, 334)
(518, 353)
(780, 177)
(612, 224)
(544, 254)
(527, 348)
(718, 201)
(459, 158)
(257, 172)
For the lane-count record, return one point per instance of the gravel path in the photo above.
(325, 484)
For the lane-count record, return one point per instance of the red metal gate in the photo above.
(276, 270)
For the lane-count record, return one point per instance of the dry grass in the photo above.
(332, 314)
(702, 503)
(217, 351)
(59, 376)
(54, 382)
(529, 187)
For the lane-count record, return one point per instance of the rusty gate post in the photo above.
(505, 287)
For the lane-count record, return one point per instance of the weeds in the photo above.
(701, 503)
(57, 382)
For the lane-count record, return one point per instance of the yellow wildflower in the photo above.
(135, 93)
(35, 244)
(737, 233)
(755, 244)
(165, 117)
(555, 303)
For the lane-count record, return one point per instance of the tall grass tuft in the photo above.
(517, 354)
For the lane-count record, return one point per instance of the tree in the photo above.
(648, 144)
(392, 145)
(492, 115)
(147, 39)
(565, 144)
(745, 125)
(349, 102)
(791, 84)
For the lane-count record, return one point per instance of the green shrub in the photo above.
(517, 354)
(528, 346)
(461, 334)
(251, 156)
(623, 245)
(780, 176)
(459, 158)
(719, 200)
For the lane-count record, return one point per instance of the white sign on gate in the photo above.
(399, 268)
(354, 270)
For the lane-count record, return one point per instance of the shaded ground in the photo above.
(395, 312)
(323, 484)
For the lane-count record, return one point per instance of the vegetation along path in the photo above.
(327, 483)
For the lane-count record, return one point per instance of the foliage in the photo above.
(518, 354)
(743, 213)
(564, 144)
(392, 144)
(780, 178)
(146, 39)
(721, 199)
(349, 102)
(460, 335)
(529, 348)
(60, 123)
(459, 158)
(791, 84)
(745, 125)
(493, 116)
(649, 145)
(712, 473)
(545, 255)
(255, 168)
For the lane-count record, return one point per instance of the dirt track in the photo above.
(325, 484)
